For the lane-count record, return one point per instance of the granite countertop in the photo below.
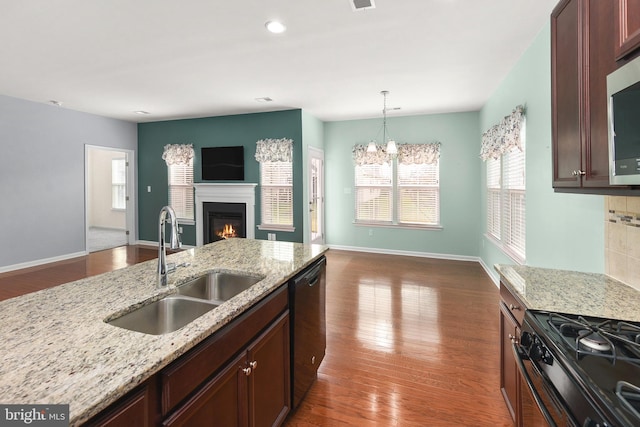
(57, 349)
(572, 292)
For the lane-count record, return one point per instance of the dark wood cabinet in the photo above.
(627, 27)
(137, 408)
(251, 390)
(582, 56)
(511, 315)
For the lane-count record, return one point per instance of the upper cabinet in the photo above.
(627, 26)
(583, 53)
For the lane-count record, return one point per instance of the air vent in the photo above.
(362, 4)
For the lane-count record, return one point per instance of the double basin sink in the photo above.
(193, 299)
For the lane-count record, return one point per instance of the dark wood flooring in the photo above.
(410, 341)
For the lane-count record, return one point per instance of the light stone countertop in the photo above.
(57, 349)
(572, 292)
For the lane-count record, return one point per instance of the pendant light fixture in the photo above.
(391, 149)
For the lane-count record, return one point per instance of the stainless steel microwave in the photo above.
(623, 93)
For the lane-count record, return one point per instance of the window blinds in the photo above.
(181, 190)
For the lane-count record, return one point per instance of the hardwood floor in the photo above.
(410, 341)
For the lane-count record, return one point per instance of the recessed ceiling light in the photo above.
(275, 27)
(264, 99)
(56, 103)
(141, 112)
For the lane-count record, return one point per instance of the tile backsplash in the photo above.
(622, 239)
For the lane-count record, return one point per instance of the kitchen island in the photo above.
(57, 348)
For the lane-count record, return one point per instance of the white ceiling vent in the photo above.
(362, 4)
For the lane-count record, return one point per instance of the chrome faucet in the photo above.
(163, 268)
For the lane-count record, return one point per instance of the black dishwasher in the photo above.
(308, 327)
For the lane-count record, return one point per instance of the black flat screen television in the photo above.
(222, 163)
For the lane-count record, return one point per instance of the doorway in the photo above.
(108, 189)
(316, 196)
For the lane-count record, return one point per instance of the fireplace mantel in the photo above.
(226, 193)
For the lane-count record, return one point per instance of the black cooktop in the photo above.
(602, 357)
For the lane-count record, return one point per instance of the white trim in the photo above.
(226, 193)
(495, 278)
(269, 227)
(151, 243)
(42, 261)
(405, 253)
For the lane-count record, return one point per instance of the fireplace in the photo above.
(223, 221)
(225, 194)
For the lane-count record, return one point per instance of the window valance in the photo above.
(363, 157)
(413, 154)
(177, 154)
(274, 150)
(504, 136)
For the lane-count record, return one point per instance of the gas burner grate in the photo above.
(614, 340)
(629, 395)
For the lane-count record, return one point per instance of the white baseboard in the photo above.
(494, 278)
(38, 262)
(405, 253)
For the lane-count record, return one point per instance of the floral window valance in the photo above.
(274, 150)
(177, 154)
(504, 136)
(413, 154)
(363, 157)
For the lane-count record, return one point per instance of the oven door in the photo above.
(539, 405)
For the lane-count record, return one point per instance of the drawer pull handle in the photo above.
(514, 307)
(246, 371)
(253, 364)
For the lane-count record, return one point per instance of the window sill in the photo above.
(404, 226)
(515, 257)
(186, 221)
(118, 210)
(270, 227)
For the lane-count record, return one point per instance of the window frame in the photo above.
(395, 200)
(280, 186)
(119, 189)
(189, 196)
(511, 236)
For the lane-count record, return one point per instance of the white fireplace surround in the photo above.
(226, 193)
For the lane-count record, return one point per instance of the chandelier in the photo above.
(391, 149)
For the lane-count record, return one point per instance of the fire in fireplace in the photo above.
(223, 221)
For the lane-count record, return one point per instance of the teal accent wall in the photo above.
(312, 136)
(564, 231)
(245, 130)
(459, 171)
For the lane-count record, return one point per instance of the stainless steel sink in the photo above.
(218, 287)
(163, 316)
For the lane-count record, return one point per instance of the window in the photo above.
(405, 191)
(419, 194)
(118, 184)
(504, 152)
(276, 183)
(276, 180)
(374, 193)
(181, 190)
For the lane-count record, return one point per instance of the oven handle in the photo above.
(519, 356)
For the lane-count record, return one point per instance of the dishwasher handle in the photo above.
(311, 277)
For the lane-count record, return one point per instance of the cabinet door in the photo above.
(566, 92)
(269, 381)
(627, 27)
(222, 401)
(131, 411)
(509, 383)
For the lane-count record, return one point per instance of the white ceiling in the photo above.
(196, 58)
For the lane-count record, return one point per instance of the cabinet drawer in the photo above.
(513, 304)
(184, 376)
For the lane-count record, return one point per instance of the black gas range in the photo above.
(581, 371)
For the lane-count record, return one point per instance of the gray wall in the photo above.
(42, 177)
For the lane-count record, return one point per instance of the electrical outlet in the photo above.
(148, 189)
(271, 236)
(180, 230)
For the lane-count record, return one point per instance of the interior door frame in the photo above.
(130, 214)
(316, 153)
